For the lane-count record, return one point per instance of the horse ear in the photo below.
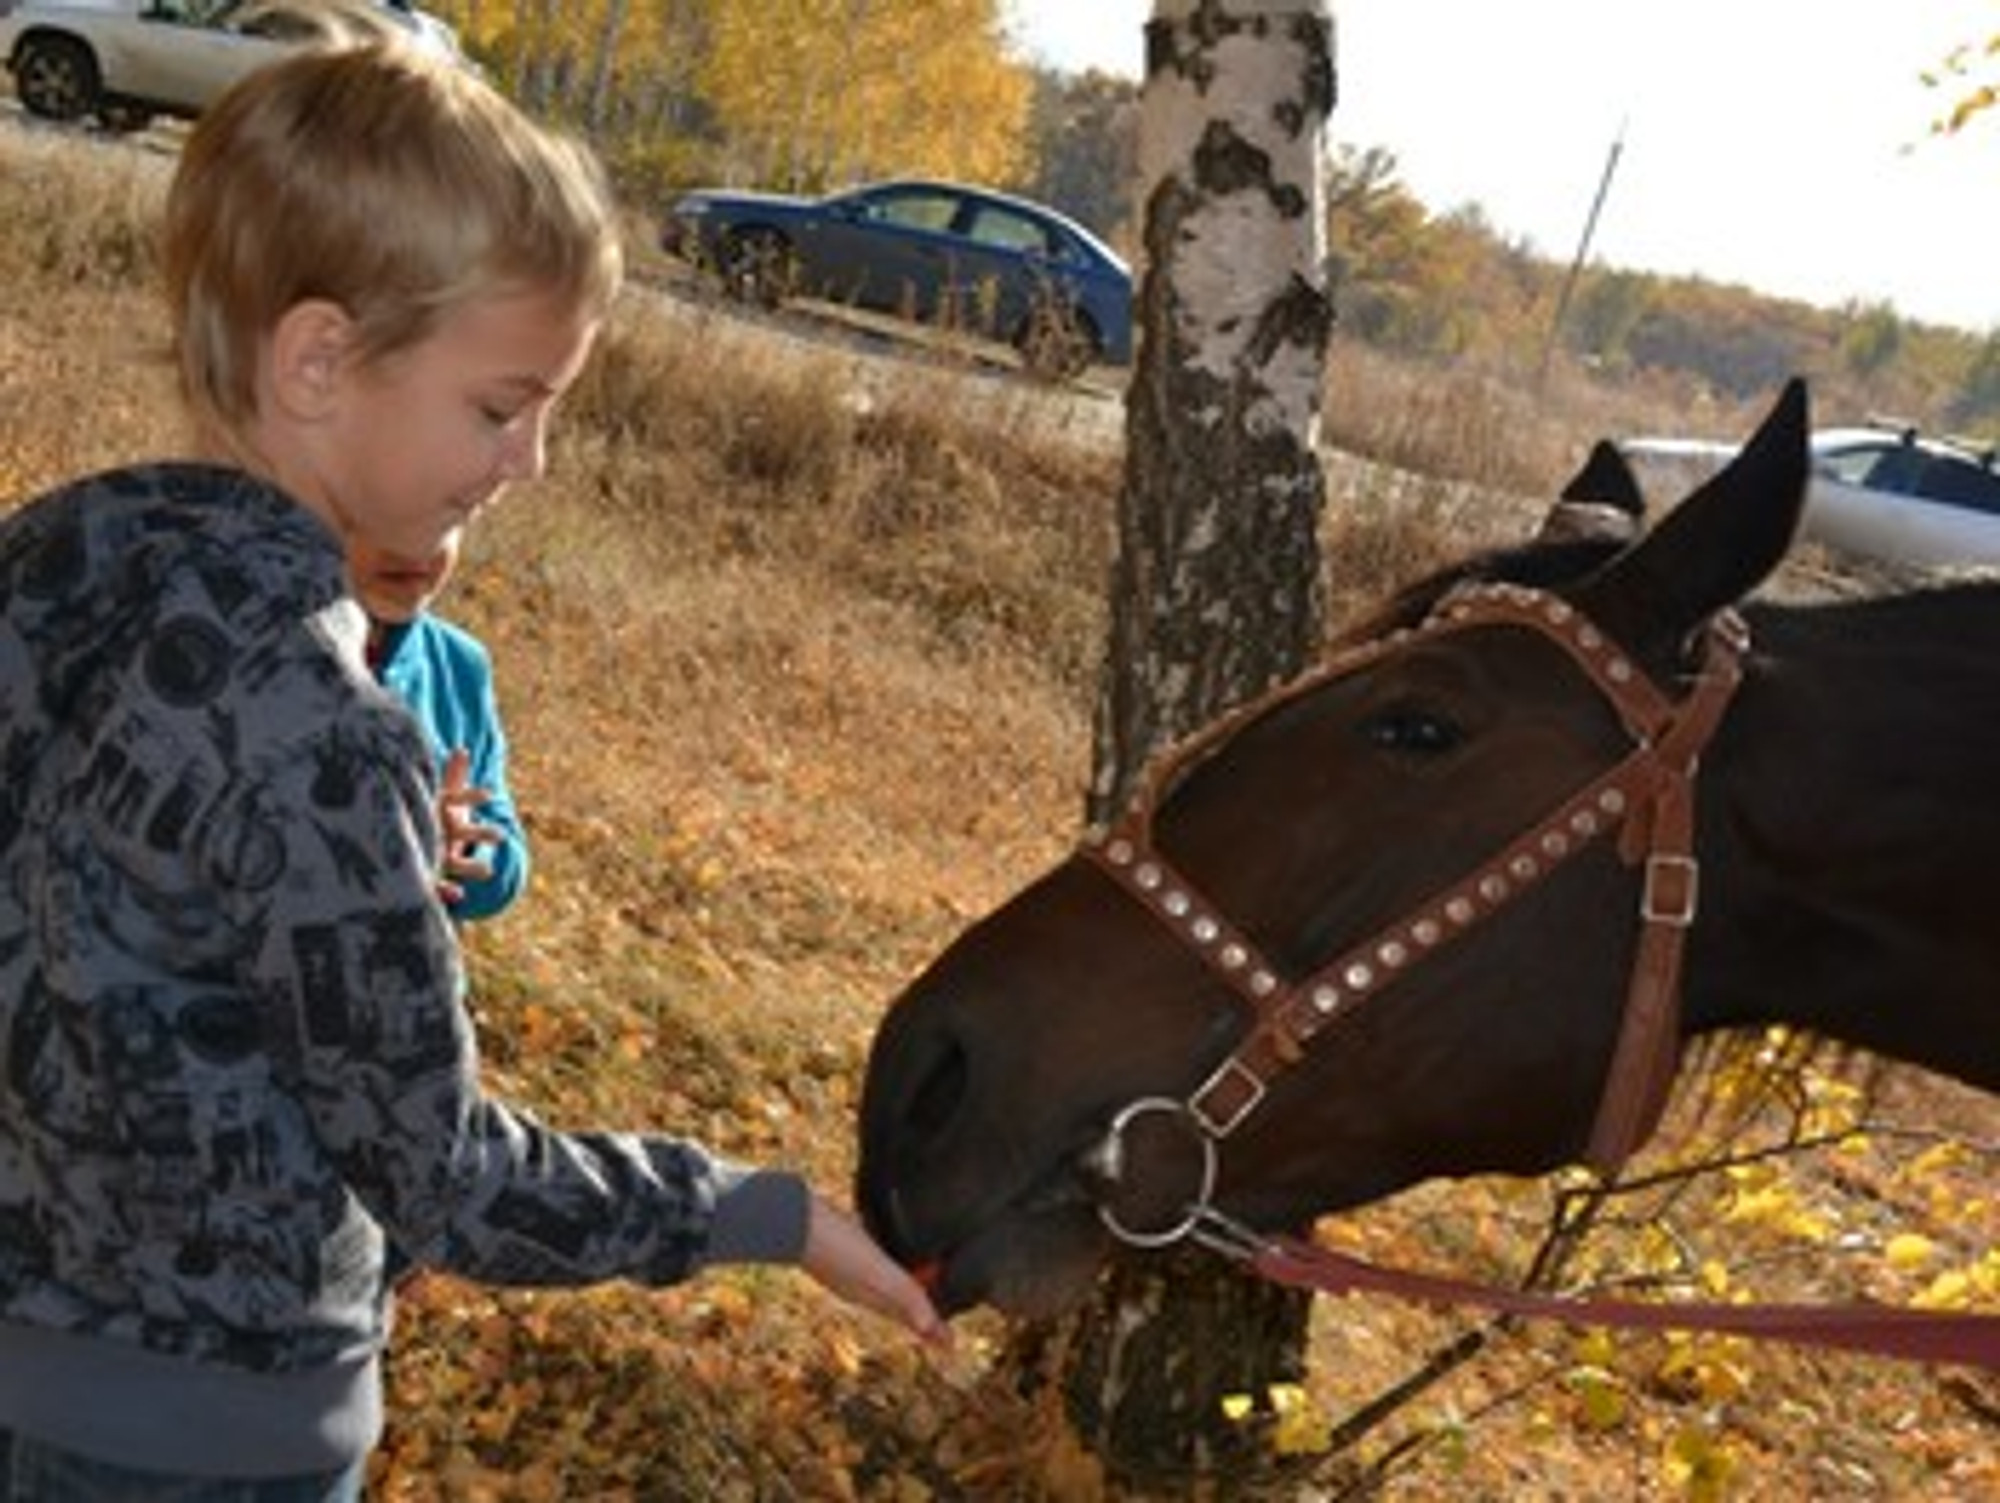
(1607, 480)
(1601, 503)
(1716, 546)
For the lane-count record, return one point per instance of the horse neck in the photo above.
(1850, 831)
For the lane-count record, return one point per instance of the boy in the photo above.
(233, 1062)
(445, 675)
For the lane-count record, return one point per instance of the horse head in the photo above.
(1096, 1055)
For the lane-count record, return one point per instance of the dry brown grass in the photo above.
(797, 650)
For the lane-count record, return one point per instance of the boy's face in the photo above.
(415, 445)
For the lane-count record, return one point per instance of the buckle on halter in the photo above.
(1224, 1118)
(1672, 885)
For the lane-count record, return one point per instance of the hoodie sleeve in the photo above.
(355, 956)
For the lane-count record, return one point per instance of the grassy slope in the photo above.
(797, 680)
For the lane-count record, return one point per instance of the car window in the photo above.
(916, 211)
(1961, 482)
(279, 25)
(1884, 466)
(1848, 465)
(1897, 469)
(997, 225)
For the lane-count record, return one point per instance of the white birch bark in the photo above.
(1215, 596)
(1216, 589)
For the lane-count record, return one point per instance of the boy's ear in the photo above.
(310, 348)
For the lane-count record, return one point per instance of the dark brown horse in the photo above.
(1451, 904)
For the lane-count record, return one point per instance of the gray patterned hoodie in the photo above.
(234, 1061)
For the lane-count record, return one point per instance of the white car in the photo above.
(1884, 493)
(125, 61)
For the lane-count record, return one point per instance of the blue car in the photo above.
(943, 254)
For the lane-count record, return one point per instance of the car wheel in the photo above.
(1056, 341)
(757, 266)
(56, 78)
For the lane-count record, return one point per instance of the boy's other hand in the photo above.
(459, 801)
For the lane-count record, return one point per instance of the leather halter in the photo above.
(1647, 797)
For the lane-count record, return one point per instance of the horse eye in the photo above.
(1419, 732)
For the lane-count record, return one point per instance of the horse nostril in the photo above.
(936, 1099)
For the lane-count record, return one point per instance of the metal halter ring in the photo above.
(1109, 1160)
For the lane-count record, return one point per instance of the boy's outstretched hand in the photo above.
(840, 1255)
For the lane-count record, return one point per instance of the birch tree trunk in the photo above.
(1216, 595)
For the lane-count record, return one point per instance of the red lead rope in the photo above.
(1879, 1330)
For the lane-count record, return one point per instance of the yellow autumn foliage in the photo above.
(803, 94)
(821, 92)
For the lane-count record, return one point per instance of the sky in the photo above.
(1783, 145)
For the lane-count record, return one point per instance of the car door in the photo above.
(886, 249)
(1007, 264)
(187, 55)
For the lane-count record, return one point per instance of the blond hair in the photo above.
(392, 183)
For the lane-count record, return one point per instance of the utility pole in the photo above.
(1582, 254)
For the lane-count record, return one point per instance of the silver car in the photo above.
(1884, 492)
(122, 62)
